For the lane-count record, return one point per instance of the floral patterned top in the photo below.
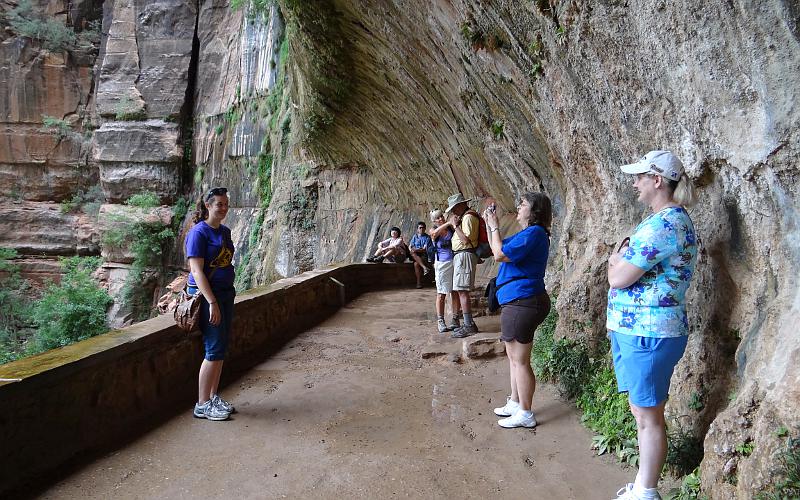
(665, 246)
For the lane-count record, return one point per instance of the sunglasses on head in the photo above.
(217, 191)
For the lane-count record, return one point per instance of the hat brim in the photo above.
(454, 205)
(639, 167)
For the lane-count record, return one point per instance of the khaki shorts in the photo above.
(444, 276)
(464, 265)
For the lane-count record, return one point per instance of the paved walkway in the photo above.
(351, 409)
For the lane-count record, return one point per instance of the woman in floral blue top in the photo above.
(646, 315)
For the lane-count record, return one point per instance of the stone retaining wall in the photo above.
(63, 404)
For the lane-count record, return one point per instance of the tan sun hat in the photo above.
(454, 200)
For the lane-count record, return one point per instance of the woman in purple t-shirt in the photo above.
(209, 250)
(442, 233)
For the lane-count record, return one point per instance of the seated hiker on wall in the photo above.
(392, 248)
(420, 248)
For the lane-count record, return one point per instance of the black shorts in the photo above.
(520, 318)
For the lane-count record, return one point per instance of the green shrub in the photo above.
(127, 110)
(606, 412)
(14, 308)
(684, 451)
(73, 310)
(497, 129)
(87, 201)
(689, 488)
(145, 199)
(52, 34)
(60, 127)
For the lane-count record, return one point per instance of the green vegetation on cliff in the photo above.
(147, 237)
(72, 310)
(323, 59)
(53, 34)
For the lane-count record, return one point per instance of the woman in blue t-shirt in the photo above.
(646, 313)
(524, 300)
(209, 249)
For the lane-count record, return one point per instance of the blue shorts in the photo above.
(644, 365)
(215, 337)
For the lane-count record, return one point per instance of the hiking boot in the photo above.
(210, 411)
(465, 331)
(221, 403)
(441, 326)
(518, 419)
(509, 409)
(454, 324)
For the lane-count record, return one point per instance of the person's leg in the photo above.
(464, 302)
(225, 300)
(652, 433)
(470, 264)
(440, 305)
(520, 357)
(417, 269)
(514, 391)
(208, 379)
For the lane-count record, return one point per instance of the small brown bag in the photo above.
(187, 314)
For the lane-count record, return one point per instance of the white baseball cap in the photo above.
(662, 163)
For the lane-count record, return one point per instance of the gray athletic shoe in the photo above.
(221, 403)
(465, 331)
(441, 326)
(210, 411)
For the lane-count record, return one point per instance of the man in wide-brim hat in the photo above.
(465, 241)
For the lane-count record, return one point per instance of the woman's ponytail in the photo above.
(200, 212)
(684, 193)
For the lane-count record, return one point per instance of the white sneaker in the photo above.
(518, 420)
(627, 493)
(509, 409)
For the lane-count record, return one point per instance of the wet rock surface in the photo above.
(345, 411)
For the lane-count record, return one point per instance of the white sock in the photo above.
(526, 413)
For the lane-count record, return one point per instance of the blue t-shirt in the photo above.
(215, 247)
(422, 241)
(527, 250)
(444, 246)
(665, 246)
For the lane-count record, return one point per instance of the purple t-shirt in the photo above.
(215, 247)
(444, 246)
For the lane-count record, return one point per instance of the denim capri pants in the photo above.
(644, 366)
(215, 337)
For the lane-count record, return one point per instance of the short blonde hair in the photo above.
(435, 214)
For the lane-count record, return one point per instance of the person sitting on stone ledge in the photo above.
(420, 249)
(393, 248)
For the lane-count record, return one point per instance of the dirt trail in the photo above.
(351, 410)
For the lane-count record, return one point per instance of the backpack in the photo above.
(483, 250)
